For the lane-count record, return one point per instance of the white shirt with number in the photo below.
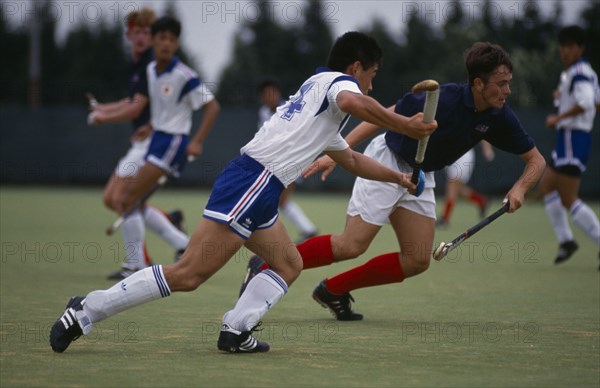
(309, 123)
(174, 95)
(578, 86)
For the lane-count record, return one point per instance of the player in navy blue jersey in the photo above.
(242, 207)
(576, 99)
(135, 108)
(466, 115)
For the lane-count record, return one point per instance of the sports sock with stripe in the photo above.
(133, 238)
(298, 218)
(558, 217)
(160, 224)
(143, 286)
(261, 294)
(585, 218)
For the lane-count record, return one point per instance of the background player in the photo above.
(242, 208)
(457, 177)
(270, 97)
(173, 91)
(135, 108)
(467, 114)
(576, 100)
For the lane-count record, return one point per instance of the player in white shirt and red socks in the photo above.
(576, 99)
(242, 208)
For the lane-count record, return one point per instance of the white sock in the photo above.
(295, 214)
(160, 224)
(133, 237)
(263, 291)
(585, 218)
(558, 217)
(143, 286)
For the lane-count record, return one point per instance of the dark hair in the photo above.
(268, 83)
(483, 58)
(167, 23)
(571, 34)
(351, 47)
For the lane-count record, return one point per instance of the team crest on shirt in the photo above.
(166, 90)
(481, 128)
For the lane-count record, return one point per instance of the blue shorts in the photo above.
(245, 196)
(168, 152)
(572, 151)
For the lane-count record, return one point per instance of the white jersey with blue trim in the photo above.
(578, 86)
(308, 123)
(174, 95)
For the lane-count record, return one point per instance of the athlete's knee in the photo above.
(348, 248)
(122, 202)
(186, 280)
(567, 202)
(420, 266)
(109, 200)
(289, 268)
(415, 263)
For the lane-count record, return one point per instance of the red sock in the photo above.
(379, 270)
(448, 210)
(147, 259)
(477, 198)
(316, 251)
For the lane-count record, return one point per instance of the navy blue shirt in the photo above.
(138, 83)
(460, 127)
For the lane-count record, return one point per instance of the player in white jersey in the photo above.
(242, 208)
(577, 97)
(135, 108)
(173, 91)
(270, 97)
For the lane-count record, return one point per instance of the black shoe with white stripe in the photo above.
(234, 341)
(339, 305)
(67, 328)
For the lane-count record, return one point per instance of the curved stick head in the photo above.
(427, 85)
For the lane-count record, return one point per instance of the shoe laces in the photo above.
(257, 327)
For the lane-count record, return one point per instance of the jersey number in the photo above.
(296, 103)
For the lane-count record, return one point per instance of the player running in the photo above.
(270, 96)
(576, 99)
(466, 115)
(136, 109)
(242, 208)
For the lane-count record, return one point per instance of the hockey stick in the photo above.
(119, 221)
(444, 248)
(432, 90)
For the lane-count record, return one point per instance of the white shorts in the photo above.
(462, 169)
(374, 201)
(130, 164)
